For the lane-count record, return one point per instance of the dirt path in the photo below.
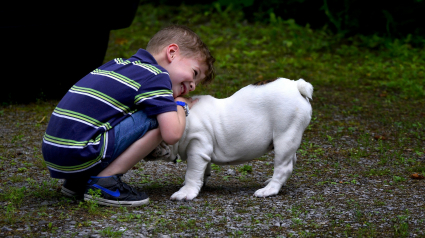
(358, 175)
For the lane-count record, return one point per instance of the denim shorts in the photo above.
(127, 132)
(130, 130)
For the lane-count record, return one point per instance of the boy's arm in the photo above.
(172, 124)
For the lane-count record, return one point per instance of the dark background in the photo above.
(47, 47)
(392, 19)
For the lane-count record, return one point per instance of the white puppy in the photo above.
(256, 119)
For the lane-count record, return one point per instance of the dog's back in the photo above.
(289, 99)
(285, 92)
(305, 88)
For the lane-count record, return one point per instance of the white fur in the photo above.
(243, 127)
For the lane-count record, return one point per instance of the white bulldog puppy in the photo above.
(255, 120)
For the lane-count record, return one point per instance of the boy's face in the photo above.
(185, 74)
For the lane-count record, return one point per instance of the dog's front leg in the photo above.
(196, 166)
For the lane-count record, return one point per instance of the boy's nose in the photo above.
(192, 86)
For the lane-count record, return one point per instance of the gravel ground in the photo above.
(358, 175)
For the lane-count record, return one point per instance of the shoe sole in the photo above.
(114, 203)
(70, 193)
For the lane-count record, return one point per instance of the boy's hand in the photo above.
(189, 101)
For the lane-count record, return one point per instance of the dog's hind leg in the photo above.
(294, 160)
(207, 173)
(267, 181)
(285, 147)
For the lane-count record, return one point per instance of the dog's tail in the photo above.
(305, 88)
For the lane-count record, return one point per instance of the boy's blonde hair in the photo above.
(189, 43)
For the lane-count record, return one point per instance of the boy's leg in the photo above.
(114, 192)
(133, 154)
(130, 157)
(135, 138)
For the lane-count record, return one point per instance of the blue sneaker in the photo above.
(113, 192)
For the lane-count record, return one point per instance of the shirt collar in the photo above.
(144, 56)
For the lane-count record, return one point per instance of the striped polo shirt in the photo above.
(80, 132)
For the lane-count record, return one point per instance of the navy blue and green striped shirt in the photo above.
(80, 132)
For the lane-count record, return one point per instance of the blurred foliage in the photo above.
(247, 52)
(392, 19)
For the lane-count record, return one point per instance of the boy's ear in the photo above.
(172, 51)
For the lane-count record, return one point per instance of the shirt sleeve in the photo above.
(157, 96)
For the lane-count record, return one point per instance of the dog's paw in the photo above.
(266, 192)
(185, 193)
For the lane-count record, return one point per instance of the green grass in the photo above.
(247, 53)
(109, 232)
(244, 169)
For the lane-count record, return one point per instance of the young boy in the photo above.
(117, 114)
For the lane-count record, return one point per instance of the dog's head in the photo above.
(164, 152)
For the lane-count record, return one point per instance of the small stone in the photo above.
(286, 225)
(139, 235)
(163, 236)
(6, 229)
(231, 172)
(42, 222)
